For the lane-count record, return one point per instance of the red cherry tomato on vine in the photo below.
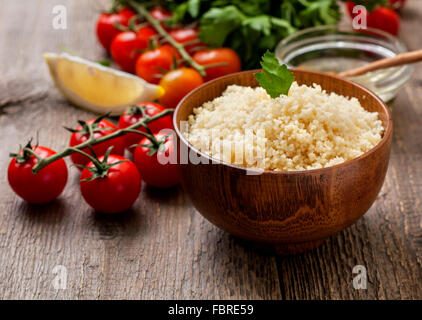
(384, 19)
(381, 18)
(144, 34)
(397, 4)
(101, 129)
(127, 46)
(106, 30)
(185, 35)
(160, 13)
(117, 191)
(43, 187)
(173, 51)
(349, 6)
(133, 115)
(152, 64)
(159, 169)
(228, 58)
(177, 83)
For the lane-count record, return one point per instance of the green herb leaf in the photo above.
(193, 7)
(179, 13)
(276, 79)
(260, 23)
(282, 24)
(250, 27)
(217, 23)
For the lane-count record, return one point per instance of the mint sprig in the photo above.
(276, 79)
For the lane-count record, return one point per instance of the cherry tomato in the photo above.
(384, 19)
(184, 35)
(117, 191)
(144, 34)
(349, 6)
(227, 57)
(160, 13)
(151, 167)
(101, 129)
(381, 18)
(151, 64)
(43, 187)
(106, 31)
(127, 46)
(397, 4)
(177, 83)
(133, 115)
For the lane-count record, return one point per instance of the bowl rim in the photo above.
(385, 138)
(345, 28)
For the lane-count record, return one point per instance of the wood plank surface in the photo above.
(162, 248)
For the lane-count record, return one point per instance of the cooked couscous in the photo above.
(308, 129)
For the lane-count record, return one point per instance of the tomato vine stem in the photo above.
(42, 163)
(143, 12)
(32, 152)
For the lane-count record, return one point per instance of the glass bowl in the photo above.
(339, 48)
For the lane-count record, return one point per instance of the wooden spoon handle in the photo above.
(398, 60)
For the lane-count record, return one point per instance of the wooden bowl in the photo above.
(293, 211)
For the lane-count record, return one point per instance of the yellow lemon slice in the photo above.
(97, 88)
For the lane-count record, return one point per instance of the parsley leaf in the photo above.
(217, 23)
(194, 7)
(276, 79)
(250, 27)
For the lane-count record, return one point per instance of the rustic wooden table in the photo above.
(163, 249)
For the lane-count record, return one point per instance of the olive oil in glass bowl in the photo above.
(337, 49)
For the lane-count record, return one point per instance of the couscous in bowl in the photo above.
(291, 210)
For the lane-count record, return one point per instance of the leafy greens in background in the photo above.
(252, 26)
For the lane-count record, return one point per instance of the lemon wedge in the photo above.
(97, 88)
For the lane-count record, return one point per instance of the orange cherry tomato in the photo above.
(177, 83)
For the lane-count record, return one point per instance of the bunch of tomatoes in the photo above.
(109, 182)
(384, 18)
(138, 48)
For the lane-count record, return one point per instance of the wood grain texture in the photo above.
(164, 248)
(293, 211)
